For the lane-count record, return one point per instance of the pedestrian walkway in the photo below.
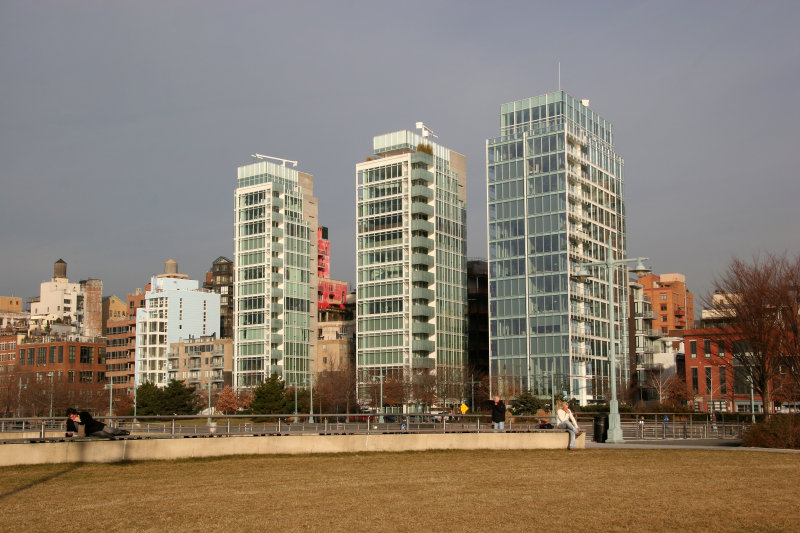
(682, 444)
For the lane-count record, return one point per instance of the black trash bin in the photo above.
(600, 428)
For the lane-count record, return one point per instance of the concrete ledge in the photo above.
(107, 451)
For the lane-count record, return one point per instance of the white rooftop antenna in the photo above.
(426, 131)
(283, 161)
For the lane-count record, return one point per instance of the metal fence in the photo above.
(653, 427)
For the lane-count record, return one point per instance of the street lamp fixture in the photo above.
(583, 275)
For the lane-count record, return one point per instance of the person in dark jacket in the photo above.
(92, 428)
(498, 414)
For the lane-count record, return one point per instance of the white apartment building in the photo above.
(411, 266)
(275, 274)
(174, 309)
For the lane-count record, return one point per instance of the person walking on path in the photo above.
(91, 427)
(565, 420)
(641, 427)
(498, 415)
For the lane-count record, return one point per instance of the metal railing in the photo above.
(679, 426)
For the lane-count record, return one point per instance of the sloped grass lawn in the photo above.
(590, 490)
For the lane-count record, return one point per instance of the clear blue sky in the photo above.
(122, 123)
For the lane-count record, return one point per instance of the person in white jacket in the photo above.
(565, 420)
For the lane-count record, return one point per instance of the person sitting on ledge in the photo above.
(91, 427)
(565, 420)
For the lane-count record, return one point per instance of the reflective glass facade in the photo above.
(411, 265)
(275, 297)
(555, 200)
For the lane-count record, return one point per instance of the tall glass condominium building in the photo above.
(275, 262)
(411, 269)
(555, 200)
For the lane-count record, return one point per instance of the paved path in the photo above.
(682, 444)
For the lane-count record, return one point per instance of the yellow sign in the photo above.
(464, 408)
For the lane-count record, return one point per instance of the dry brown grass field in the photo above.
(590, 490)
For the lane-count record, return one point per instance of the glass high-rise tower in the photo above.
(275, 281)
(411, 269)
(555, 200)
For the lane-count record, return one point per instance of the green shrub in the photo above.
(779, 431)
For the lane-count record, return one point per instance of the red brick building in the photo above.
(121, 345)
(671, 300)
(56, 373)
(711, 373)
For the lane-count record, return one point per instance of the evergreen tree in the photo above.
(527, 404)
(269, 397)
(178, 399)
(149, 400)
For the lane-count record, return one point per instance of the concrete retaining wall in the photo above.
(106, 451)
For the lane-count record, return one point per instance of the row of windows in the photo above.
(390, 238)
(380, 207)
(380, 256)
(380, 190)
(720, 348)
(380, 223)
(386, 172)
(55, 354)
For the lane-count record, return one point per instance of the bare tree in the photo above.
(336, 389)
(757, 301)
(423, 388)
(658, 381)
(676, 391)
(788, 302)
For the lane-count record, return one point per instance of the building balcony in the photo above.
(276, 201)
(652, 333)
(420, 174)
(276, 292)
(276, 246)
(419, 345)
(422, 310)
(276, 308)
(276, 261)
(276, 338)
(422, 275)
(276, 232)
(423, 328)
(277, 277)
(579, 332)
(422, 242)
(418, 224)
(421, 191)
(276, 354)
(575, 156)
(422, 259)
(277, 217)
(422, 157)
(419, 208)
(576, 138)
(276, 323)
(418, 293)
(422, 362)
